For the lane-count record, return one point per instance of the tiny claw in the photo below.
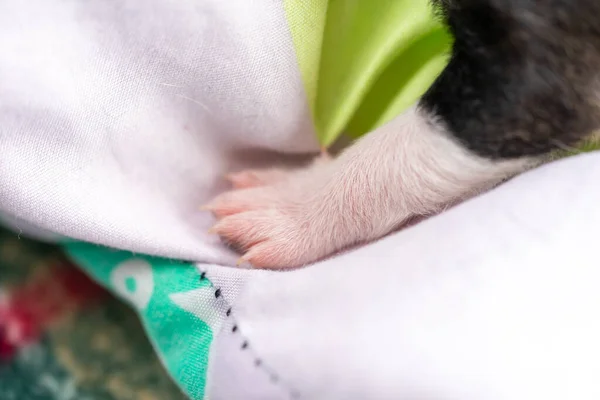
(240, 261)
(229, 177)
(243, 180)
(206, 207)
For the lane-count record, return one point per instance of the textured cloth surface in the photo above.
(76, 341)
(119, 118)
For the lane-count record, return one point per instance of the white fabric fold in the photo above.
(496, 299)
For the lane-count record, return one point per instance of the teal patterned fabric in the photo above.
(179, 307)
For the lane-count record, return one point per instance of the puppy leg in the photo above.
(406, 168)
(510, 95)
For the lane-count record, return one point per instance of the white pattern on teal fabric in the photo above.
(202, 303)
(133, 280)
(177, 306)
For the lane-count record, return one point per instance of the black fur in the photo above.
(523, 77)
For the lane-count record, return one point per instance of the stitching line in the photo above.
(274, 378)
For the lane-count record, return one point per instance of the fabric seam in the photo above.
(245, 346)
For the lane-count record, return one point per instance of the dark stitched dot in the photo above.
(234, 328)
(245, 345)
(228, 312)
(274, 378)
(295, 394)
(203, 276)
(218, 293)
(257, 362)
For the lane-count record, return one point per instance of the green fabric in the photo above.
(364, 62)
(591, 145)
(165, 294)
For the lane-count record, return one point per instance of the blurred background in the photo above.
(78, 343)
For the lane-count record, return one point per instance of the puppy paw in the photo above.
(269, 228)
(272, 216)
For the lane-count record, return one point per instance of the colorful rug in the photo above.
(63, 338)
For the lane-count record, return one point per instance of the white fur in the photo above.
(409, 167)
